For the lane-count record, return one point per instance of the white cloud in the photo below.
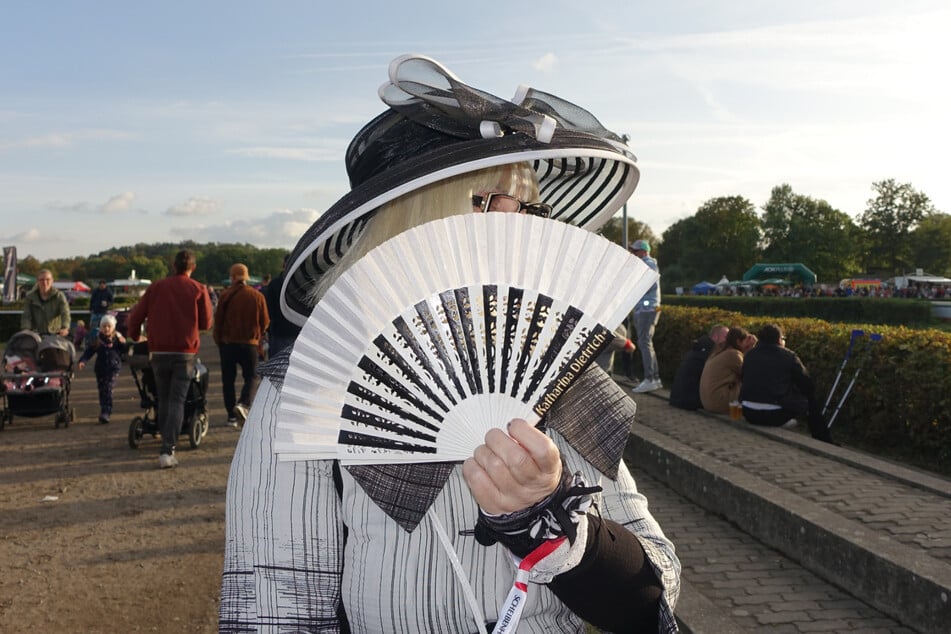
(78, 207)
(59, 140)
(195, 206)
(43, 141)
(874, 56)
(119, 203)
(281, 228)
(545, 63)
(28, 236)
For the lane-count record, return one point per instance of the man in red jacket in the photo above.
(174, 310)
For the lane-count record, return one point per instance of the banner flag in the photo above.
(9, 274)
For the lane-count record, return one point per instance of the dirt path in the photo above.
(124, 547)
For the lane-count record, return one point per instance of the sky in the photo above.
(142, 122)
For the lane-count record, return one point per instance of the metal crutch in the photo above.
(873, 338)
(848, 353)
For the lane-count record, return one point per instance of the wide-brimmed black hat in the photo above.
(438, 127)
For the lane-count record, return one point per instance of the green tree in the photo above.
(149, 268)
(104, 268)
(613, 231)
(888, 222)
(722, 238)
(931, 244)
(214, 267)
(798, 228)
(29, 265)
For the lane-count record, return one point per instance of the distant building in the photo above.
(131, 286)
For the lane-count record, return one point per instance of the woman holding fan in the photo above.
(540, 528)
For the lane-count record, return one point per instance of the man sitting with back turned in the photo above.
(777, 387)
(685, 390)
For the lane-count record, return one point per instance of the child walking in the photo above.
(79, 338)
(108, 346)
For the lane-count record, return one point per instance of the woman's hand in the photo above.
(513, 471)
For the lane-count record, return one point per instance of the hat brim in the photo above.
(585, 180)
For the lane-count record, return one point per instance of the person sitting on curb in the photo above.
(723, 373)
(685, 390)
(777, 387)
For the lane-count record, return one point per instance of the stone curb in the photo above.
(899, 580)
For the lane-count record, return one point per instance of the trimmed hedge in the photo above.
(869, 310)
(901, 401)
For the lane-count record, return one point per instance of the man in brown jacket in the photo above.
(240, 321)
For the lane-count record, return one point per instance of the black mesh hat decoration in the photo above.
(438, 127)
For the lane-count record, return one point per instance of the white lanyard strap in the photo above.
(467, 590)
(511, 610)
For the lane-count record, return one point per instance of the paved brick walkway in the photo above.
(744, 585)
(899, 511)
(755, 587)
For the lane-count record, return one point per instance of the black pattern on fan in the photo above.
(418, 371)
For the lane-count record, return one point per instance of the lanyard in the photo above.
(511, 610)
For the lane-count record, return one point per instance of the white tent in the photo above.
(920, 278)
(131, 285)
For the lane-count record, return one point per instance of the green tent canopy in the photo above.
(796, 270)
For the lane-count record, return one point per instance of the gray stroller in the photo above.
(37, 374)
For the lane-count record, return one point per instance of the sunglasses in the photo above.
(510, 204)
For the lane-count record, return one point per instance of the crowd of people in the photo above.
(914, 290)
(170, 316)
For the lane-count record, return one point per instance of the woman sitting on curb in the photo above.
(723, 372)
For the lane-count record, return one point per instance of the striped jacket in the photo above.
(298, 553)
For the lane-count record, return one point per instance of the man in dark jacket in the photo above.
(777, 387)
(177, 308)
(240, 322)
(100, 301)
(685, 390)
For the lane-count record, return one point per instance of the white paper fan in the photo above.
(450, 329)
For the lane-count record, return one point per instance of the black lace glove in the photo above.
(558, 515)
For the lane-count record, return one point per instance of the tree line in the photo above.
(154, 261)
(899, 231)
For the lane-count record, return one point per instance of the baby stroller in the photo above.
(37, 374)
(195, 422)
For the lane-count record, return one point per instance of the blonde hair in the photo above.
(443, 199)
(108, 319)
